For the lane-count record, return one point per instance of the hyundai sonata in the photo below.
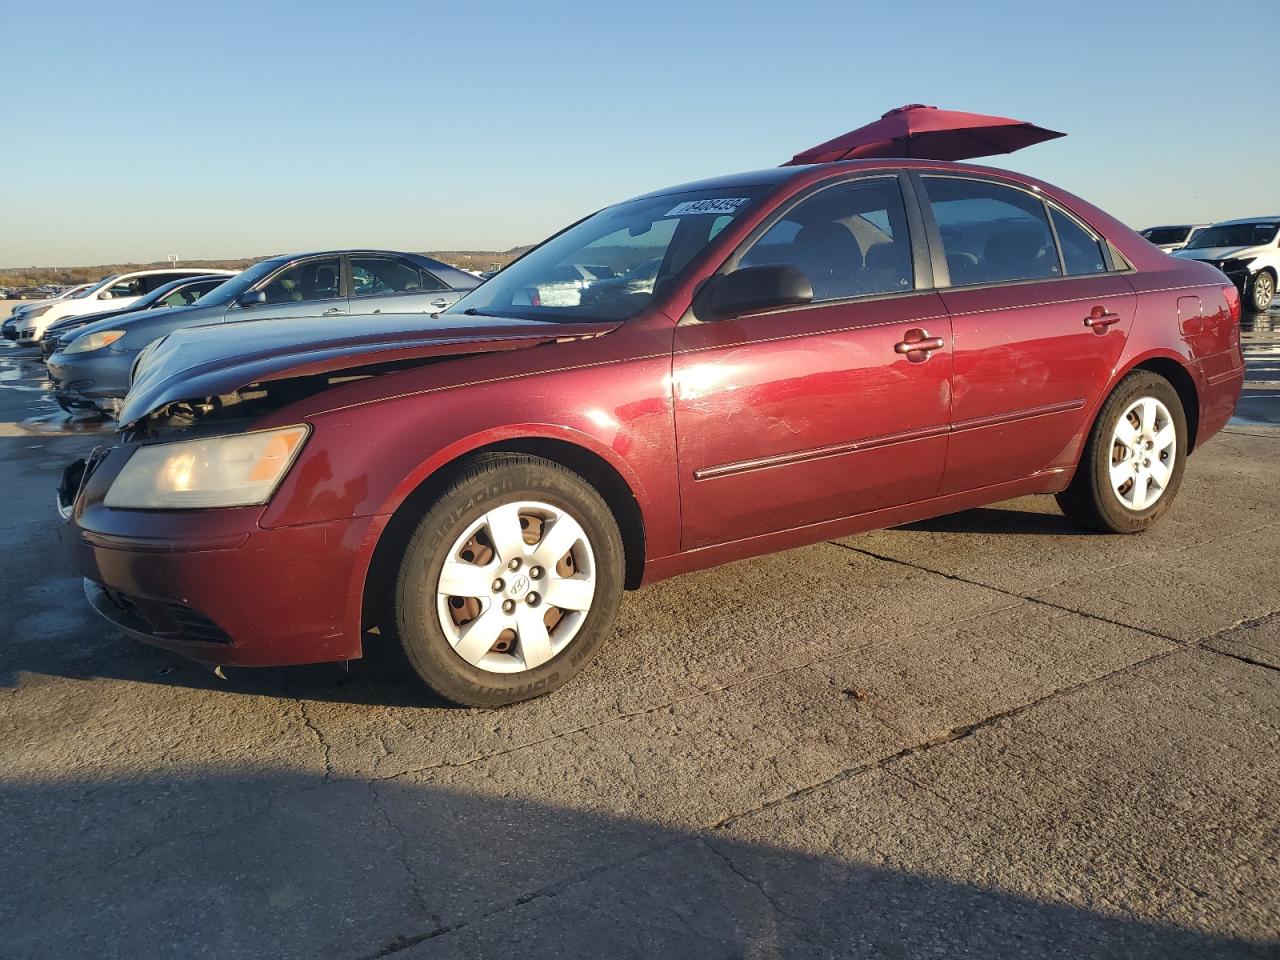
(820, 350)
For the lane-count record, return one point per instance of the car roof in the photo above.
(341, 252)
(136, 273)
(773, 176)
(436, 266)
(1229, 223)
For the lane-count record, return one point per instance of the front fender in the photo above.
(365, 459)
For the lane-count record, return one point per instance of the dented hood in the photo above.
(209, 361)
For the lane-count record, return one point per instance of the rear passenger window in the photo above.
(375, 276)
(991, 233)
(849, 240)
(1081, 251)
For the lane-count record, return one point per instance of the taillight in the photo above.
(1233, 302)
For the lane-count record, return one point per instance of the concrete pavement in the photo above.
(986, 735)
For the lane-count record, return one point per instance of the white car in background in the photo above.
(1247, 251)
(1175, 237)
(20, 310)
(121, 290)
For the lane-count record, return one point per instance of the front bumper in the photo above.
(213, 585)
(90, 381)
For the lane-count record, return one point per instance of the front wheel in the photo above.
(1132, 464)
(1262, 290)
(510, 582)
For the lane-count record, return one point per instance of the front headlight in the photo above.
(94, 341)
(236, 471)
(1237, 263)
(39, 311)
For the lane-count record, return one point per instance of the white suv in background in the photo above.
(121, 290)
(1247, 251)
(1175, 237)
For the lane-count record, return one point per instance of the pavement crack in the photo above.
(415, 882)
(1243, 659)
(404, 942)
(742, 681)
(321, 740)
(1026, 598)
(949, 736)
(1247, 624)
(751, 881)
(733, 868)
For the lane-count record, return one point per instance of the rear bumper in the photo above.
(213, 586)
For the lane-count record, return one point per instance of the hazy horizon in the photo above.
(215, 130)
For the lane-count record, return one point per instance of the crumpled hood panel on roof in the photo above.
(209, 361)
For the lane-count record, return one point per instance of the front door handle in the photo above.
(441, 303)
(917, 345)
(331, 312)
(1099, 319)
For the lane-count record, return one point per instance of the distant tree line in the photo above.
(15, 277)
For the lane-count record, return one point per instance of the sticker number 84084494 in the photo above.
(689, 208)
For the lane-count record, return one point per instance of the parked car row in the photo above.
(1247, 251)
(700, 374)
(44, 292)
(91, 338)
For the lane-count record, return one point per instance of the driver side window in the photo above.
(126, 288)
(849, 240)
(309, 280)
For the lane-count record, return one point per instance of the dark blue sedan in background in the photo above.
(92, 366)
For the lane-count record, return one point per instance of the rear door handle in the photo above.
(331, 312)
(1099, 319)
(917, 345)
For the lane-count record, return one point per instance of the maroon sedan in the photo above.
(758, 362)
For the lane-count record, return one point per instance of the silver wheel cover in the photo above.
(1144, 449)
(516, 586)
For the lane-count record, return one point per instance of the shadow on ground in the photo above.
(999, 520)
(273, 864)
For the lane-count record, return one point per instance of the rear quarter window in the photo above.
(991, 233)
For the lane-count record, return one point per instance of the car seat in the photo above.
(830, 256)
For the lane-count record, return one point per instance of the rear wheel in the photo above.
(1132, 464)
(1262, 290)
(510, 582)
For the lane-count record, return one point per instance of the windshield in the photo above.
(95, 287)
(1235, 235)
(224, 293)
(610, 266)
(1159, 235)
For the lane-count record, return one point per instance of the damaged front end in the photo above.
(229, 375)
(239, 409)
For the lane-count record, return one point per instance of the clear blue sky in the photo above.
(135, 130)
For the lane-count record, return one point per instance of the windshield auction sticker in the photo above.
(719, 205)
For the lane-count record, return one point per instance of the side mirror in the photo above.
(756, 288)
(105, 295)
(252, 298)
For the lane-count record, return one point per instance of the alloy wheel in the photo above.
(516, 587)
(1263, 291)
(1144, 445)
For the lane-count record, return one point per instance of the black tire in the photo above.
(486, 483)
(1090, 500)
(1262, 291)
